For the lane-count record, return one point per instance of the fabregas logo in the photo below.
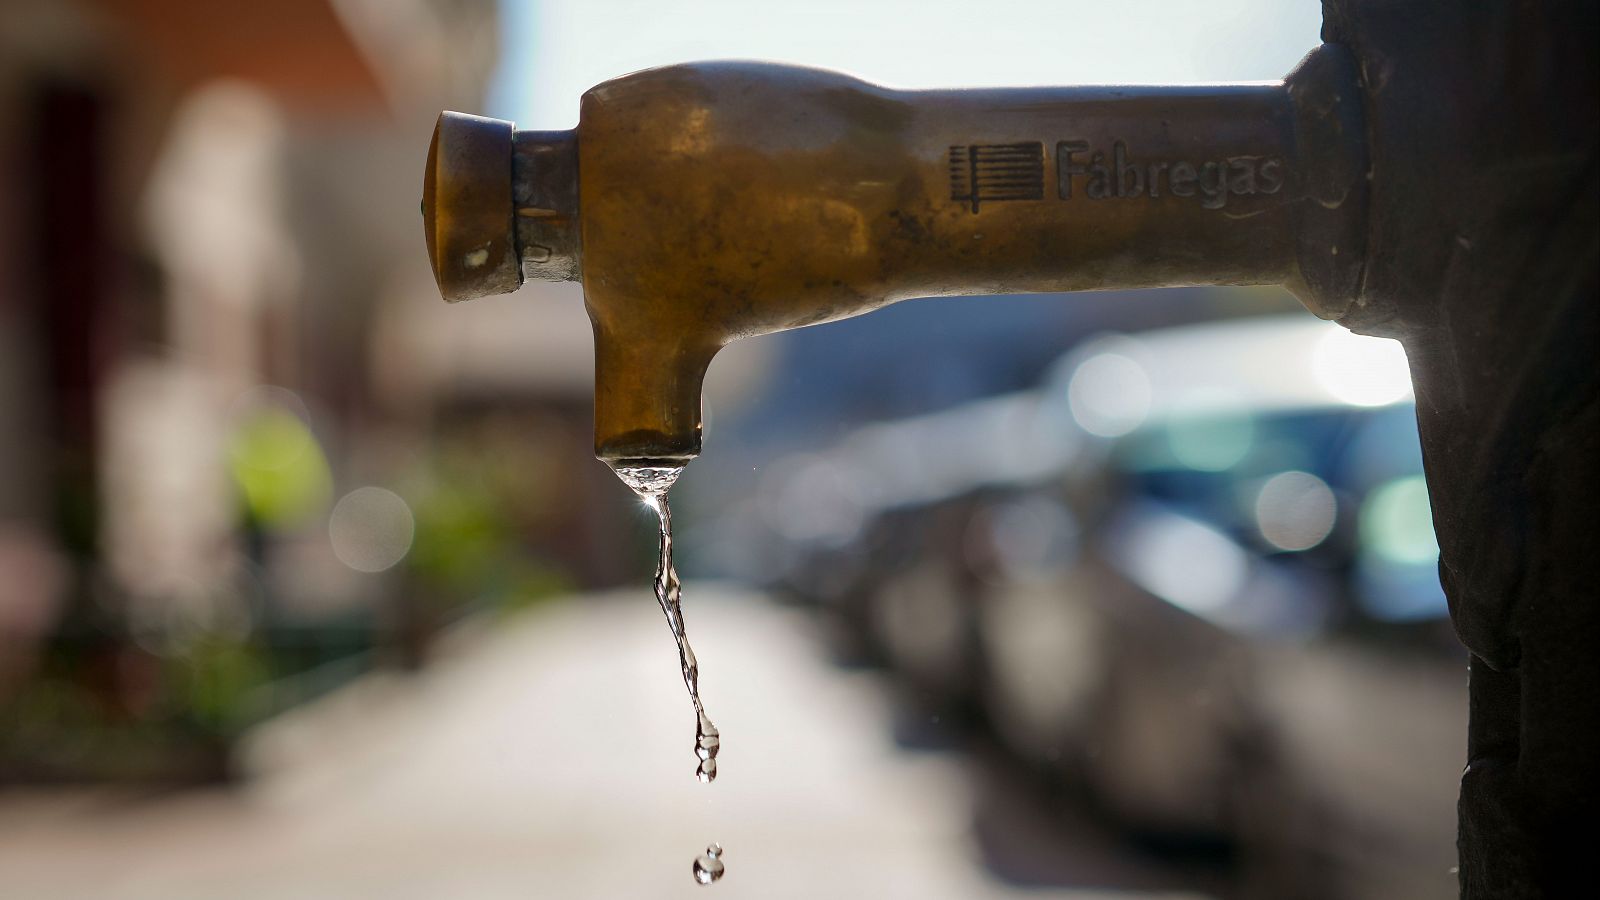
(988, 173)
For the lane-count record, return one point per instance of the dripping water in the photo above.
(709, 868)
(651, 483)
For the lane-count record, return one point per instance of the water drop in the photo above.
(709, 868)
(708, 742)
(649, 481)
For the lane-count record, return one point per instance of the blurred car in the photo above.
(1193, 575)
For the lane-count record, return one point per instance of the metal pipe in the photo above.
(703, 203)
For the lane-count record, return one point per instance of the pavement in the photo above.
(550, 755)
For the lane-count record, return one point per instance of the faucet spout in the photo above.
(647, 398)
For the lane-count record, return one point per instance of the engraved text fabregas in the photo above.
(1084, 171)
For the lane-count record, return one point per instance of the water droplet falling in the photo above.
(709, 868)
(707, 742)
(651, 484)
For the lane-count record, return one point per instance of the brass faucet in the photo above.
(703, 203)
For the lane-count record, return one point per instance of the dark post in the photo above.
(1483, 257)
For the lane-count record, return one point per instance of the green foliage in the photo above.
(477, 499)
(221, 681)
(280, 469)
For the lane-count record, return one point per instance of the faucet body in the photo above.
(700, 204)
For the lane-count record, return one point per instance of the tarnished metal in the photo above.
(719, 201)
(544, 187)
(467, 207)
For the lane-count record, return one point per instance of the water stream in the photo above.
(651, 484)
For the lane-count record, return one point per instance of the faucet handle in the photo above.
(467, 210)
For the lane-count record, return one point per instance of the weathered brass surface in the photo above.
(719, 201)
(466, 206)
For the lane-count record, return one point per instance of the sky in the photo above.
(556, 49)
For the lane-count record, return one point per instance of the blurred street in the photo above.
(548, 755)
(311, 586)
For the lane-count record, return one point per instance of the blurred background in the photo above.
(310, 586)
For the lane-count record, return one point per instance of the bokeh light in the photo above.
(1295, 510)
(1184, 562)
(1109, 394)
(371, 529)
(1211, 443)
(1397, 522)
(1365, 371)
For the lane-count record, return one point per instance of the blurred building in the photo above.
(224, 430)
